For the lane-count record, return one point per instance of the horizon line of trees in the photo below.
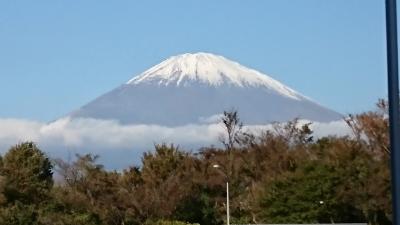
(283, 175)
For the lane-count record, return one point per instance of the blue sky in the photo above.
(57, 55)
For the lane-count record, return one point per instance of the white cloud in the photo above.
(339, 128)
(116, 142)
(16, 130)
(211, 119)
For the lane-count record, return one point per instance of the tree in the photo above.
(365, 177)
(167, 222)
(233, 127)
(307, 196)
(19, 214)
(28, 173)
(197, 208)
(91, 190)
(373, 128)
(167, 179)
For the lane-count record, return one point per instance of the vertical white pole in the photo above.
(227, 203)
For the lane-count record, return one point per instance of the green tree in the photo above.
(28, 174)
(19, 214)
(167, 222)
(91, 191)
(198, 208)
(307, 195)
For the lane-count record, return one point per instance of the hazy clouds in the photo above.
(122, 144)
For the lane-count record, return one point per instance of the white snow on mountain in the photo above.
(188, 88)
(210, 69)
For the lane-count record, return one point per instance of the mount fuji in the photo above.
(196, 88)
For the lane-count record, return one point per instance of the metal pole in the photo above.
(227, 203)
(393, 91)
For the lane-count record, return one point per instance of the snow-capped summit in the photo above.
(194, 88)
(209, 69)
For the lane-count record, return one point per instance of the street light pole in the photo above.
(394, 113)
(216, 166)
(227, 202)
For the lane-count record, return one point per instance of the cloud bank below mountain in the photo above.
(121, 145)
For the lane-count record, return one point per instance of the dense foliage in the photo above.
(283, 175)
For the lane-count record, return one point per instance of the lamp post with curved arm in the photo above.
(216, 166)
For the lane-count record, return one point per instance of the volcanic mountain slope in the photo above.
(194, 88)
